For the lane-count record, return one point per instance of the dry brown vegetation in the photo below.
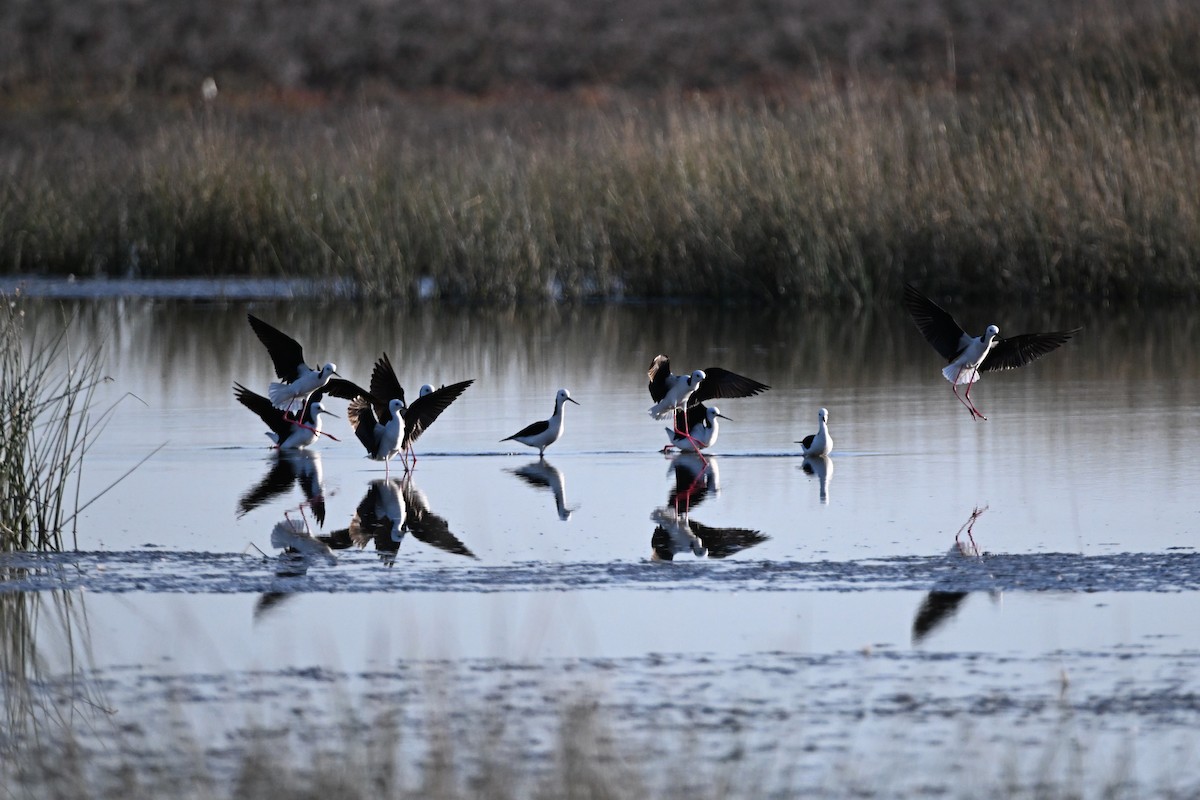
(500, 151)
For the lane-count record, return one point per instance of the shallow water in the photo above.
(810, 602)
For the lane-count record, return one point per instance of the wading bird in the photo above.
(819, 443)
(672, 392)
(969, 355)
(545, 432)
(287, 430)
(415, 418)
(695, 429)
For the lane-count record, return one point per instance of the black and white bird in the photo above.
(287, 430)
(695, 429)
(297, 380)
(671, 392)
(414, 418)
(545, 432)
(380, 434)
(819, 443)
(967, 355)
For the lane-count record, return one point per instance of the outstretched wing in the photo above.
(346, 390)
(361, 417)
(935, 324)
(659, 372)
(1017, 351)
(424, 410)
(723, 383)
(286, 353)
(428, 527)
(385, 386)
(268, 413)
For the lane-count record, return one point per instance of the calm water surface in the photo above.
(1087, 454)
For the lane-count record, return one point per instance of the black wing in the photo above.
(935, 324)
(269, 414)
(424, 410)
(385, 386)
(1017, 351)
(344, 389)
(531, 429)
(362, 418)
(724, 542)
(286, 353)
(696, 414)
(659, 372)
(723, 383)
(808, 440)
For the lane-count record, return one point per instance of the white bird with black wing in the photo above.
(297, 380)
(967, 355)
(387, 403)
(679, 392)
(545, 432)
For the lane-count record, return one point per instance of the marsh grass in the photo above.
(1062, 165)
(48, 391)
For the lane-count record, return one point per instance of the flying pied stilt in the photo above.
(297, 380)
(969, 355)
(543, 433)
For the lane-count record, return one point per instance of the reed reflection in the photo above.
(821, 468)
(938, 606)
(288, 469)
(390, 509)
(43, 700)
(695, 479)
(541, 474)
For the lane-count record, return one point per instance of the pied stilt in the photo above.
(543, 433)
(968, 355)
(696, 429)
(297, 380)
(418, 416)
(671, 392)
(819, 443)
(287, 430)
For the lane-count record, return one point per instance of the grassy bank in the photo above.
(1068, 173)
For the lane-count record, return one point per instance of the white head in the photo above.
(696, 377)
(395, 406)
(329, 369)
(713, 413)
(823, 415)
(425, 389)
(563, 396)
(316, 408)
(991, 332)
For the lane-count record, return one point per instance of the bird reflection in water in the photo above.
(676, 532)
(290, 468)
(541, 474)
(300, 550)
(820, 467)
(938, 607)
(389, 510)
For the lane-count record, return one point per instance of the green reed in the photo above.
(47, 393)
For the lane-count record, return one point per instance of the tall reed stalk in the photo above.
(47, 425)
